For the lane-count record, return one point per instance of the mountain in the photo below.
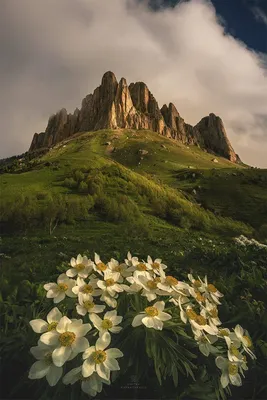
(116, 105)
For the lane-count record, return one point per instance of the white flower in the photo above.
(110, 301)
(108, 323)
(229, 372)
(68, 338)
(123, 269)
(110, 283)
(99, 360)
(131, 261)
(87, 305)
(198, 322)
(205, 343)
(91, 385)
(155, 267)
(81, 267)
(41, 326)
(170, 284)
(210, 312)
(211, 292)
(152, 317)
(148, 284)
(99, 266)
(82, 288)
(245, 340)
(59, 290)
(44, 367)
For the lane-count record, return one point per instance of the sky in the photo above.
(204, 56)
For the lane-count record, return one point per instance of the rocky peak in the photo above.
(115, 105)
(214, 136)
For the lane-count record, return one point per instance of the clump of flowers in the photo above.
(86, 331)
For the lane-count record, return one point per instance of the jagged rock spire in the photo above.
(115, 105)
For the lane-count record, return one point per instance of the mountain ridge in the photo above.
(116, 105)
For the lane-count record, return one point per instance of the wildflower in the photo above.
(205, 343)
(122, 269)
(155, 267)
(41, 326)
(110, 283)
(99, 266)
(91, 385)
(82, 288)
(152, 317)
(108, 323)
(68, 338)
(81, 267)
(59, 290)
(44, 367)
(99, 360)
(245, 340)
(87, 305)
(229, 372)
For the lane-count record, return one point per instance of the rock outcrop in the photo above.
(116, 105)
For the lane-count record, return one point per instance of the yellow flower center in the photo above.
(200, 320)
(212, 288)
(197, 283)
(88, 304)
(106, 324)
(109, 282)
(199, 297)
(234, 350)
(248, 341)
(118, 268)
(99, 356)
(155, 265)
(191, 314)
(52, 326)
(224, 332)
(170, 280)
(151, 284)
(141, 267)
(214, 312)
(66, 338)
(151, 311)
(63, 287)
(87, 289)
(101, 267)
(232, 369)
(79, 267)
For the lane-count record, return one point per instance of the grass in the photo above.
(148, 204)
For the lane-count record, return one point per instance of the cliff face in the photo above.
(116, 105)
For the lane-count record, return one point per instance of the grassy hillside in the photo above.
(113, 191)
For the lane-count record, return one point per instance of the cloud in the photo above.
(259, 14)
(54, 52)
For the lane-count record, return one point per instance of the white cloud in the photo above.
(56, 51)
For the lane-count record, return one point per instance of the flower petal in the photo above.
(39, 325)
(112, 364)
(61, 296)
(137, 321)
(63, 324)
(72, 376)
(80, 345)
(103, 342)
(159, 305)
(81, 330)
(164, 316)
(88, 368)
(50, 338)
(103, 371)
(60, 355)
(53, 375)
(96, 320)
(54, 315)
(39, 369)
(114, 353)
